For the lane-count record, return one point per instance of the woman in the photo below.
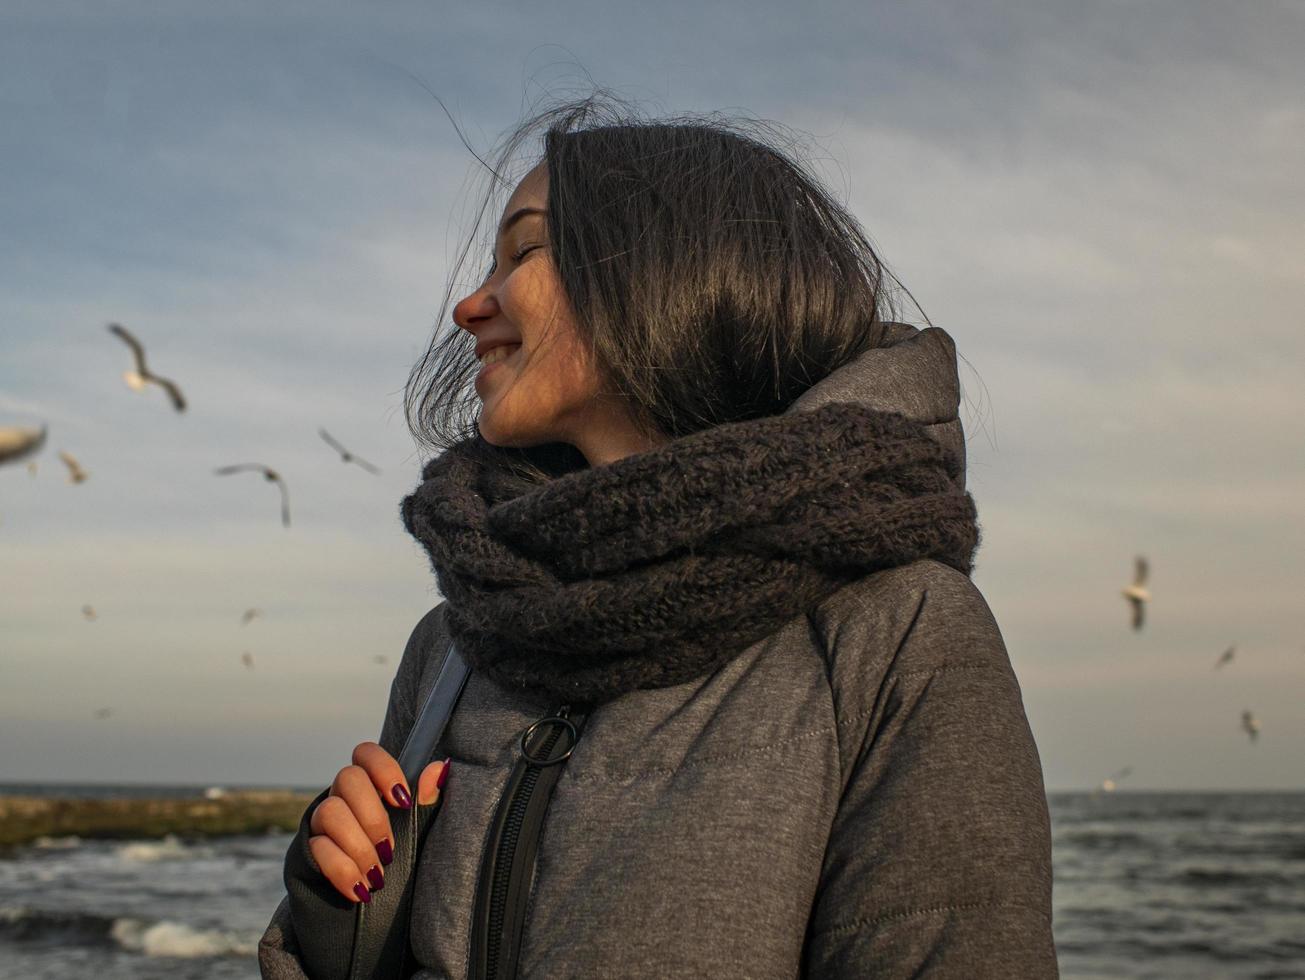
(712, 513)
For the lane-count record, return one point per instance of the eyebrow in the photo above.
(516, 215)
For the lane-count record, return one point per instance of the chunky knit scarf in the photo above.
(661, 566)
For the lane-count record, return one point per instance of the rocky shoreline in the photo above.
(26, 819)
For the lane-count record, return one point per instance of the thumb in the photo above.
(431, 782)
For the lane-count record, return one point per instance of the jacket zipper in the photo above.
(507, 868)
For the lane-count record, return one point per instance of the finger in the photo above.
(355, 787)
(431, 782)
(385, 773)
(334, 818)
(339, 869)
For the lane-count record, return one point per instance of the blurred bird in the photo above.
(17, 441)
(345, 455)
(75, 472)
(136, 380)
(380, 658)
(88, 612)
(1136, 594)
(1109, 784)
(103, 712)
(1225, 658)
(268, 474)
(1250, 724)
(249, 615)
(247, 659)
(31, 468)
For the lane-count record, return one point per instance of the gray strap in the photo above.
(434, 716)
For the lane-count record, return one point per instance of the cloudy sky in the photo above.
(1101, 202)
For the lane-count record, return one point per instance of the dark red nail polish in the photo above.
(402, 796)
(376, 878)
(386, 852)
(444, 773)
(363, 894)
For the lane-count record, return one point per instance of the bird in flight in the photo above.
(136, 380)
(1136, 594)
(247, 659)
(75, 472)
(268, 474)
(103, 712)
(380, 658)
(88, 613)
(1225, 658)
(345, 455)
(249, 615)
(17, 441)
(1250, 724)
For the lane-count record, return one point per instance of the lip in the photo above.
(487, 368)
(487, 345)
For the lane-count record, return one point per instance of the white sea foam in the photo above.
(167, 848)
(167, 938)
(57, 843)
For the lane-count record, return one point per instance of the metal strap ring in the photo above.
(525, 737)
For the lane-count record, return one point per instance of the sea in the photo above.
(1173, 885)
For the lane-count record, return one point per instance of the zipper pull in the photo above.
(559, 719)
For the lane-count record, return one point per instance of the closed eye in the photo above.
(523, 251)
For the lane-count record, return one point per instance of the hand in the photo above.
(352, 837)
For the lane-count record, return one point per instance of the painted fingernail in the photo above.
(444, 773)
(386, 852)
(376, 878)
(402, 796)
(363, 894)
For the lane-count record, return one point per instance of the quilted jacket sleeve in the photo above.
(939, 860)
(311, 930)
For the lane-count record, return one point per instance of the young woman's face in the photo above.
(546, 388)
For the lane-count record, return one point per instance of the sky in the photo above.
(1100, 202)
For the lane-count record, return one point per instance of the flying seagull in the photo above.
(103, 712)
(136, 380)
(17, 441)
(249, 615)
(1250, 724)
(89, 613)
(380, 658)
(75, 472)
(247, 659)
(1225, 658)
(345, 455)
(268, 474)
(1136, 593)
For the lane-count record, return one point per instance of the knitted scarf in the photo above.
(659, 567)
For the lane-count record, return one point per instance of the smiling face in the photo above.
(547, 388)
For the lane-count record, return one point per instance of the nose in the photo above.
(474, 309)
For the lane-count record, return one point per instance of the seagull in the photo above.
(103, 712)
(75, 472)
(1250, 724)
(345, 455)
(247, 659)
(17, 441)
(268, 474)
(89, 613)
(1109, 784)
(380, 658)
(1136, 593)
(249, 615)
(136, 380)
(1225, 658)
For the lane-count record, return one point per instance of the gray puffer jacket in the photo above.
(857, 795)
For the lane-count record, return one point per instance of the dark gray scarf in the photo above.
(661, 566)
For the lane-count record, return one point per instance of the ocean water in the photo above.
(1180, 886)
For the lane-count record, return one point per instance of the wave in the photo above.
(164, 937)
(168, 848)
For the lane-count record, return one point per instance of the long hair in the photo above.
(711, 274)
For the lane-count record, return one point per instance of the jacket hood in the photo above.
(913, 373)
